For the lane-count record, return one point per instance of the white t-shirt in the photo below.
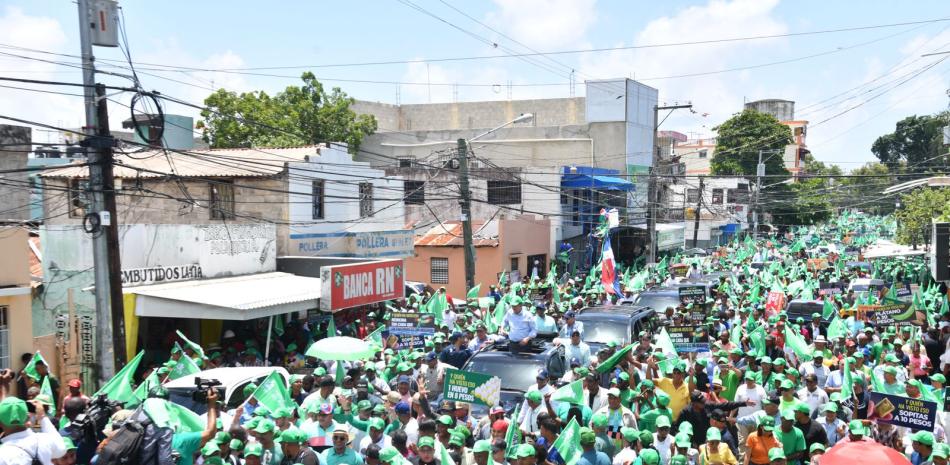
(20, 448)
(625, 457)
(663, 447)
(743, 393)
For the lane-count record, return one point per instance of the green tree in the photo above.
(299, 115)
(863, 191)
(917, 211)
(739, 140)
(917, 143)
(808, 200)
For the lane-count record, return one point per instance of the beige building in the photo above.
(16, 320)
(517, 246)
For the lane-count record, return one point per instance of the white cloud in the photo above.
(717, 95)
(545, 24)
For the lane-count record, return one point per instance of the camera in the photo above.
(97, 415)
(202, 388)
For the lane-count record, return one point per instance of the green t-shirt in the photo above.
(348, 457)
(647, 421)
(792, 442)
(730, 384)
(187, 444)
(564, 408)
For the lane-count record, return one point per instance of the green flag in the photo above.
(437, 306)
(473, 292)
(757, 338)
(829, 309)
(568, 443)
(184, 367)
(503, 279)
(837, 329)
(614, 359)
(340, 373)
(165, 414)
(119, 388)
(847, 381)
(665, 343)
(331, 327)
(30, 369)
(141, 392)
(572, 392)
(376, 336)
(192, 345)
(798, 345)
(278, 325)
(735, 335)
(273, 393)
(47, 390)
(513, 435)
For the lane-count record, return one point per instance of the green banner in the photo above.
(471, 387)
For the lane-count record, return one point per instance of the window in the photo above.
(366, 199)
(414, 192)
(4, 338)
(222, 200)
(514, 263)
(77, 198)
(319, 206)
(703, 153)
(692, 195)
(504, 192)
(439, 270)
(717, 196)
(739, 195)
(405, 162)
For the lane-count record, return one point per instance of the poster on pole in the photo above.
(897, 313)
(688, 338)
(692, 295)
(916, 414)
(471, 387)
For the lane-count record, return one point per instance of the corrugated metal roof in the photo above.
(240, 292)
(449, 234)
(231, 163)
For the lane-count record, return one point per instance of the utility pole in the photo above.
(759, 172)
(466, 204)
(652, 189)
(699, 209)
(99, 155)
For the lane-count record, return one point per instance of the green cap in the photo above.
(377, 423)
(68, 443)
(319, 371)
(646, 438)
(210, 449)
(13, 412)
(682, 440)
(587, 436)
(803, 408)
(293, 435)
(445, 420)
(924, 437)
(663, 422)
(388, 454)
(214, 461)
(480, 446)
(678, 459)
(282, 412)
(816, 447)
(856, 427)
(649, 457)
(941, 450)
(254, 448)
(533, 396)
(686, 428)
(599, 420)
(265, 426)
(788, 415)
(629, 433)
(236, 445)
(713, 434)
(776, 453)
(527, 450)
(830, 407)
(779, 361)
(425, 441)
(249, 389)
(457, 439)
(364, 405)
(767, 423)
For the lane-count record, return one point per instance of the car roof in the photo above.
(228, 376)
(612, 310)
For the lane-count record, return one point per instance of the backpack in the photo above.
(139, 442)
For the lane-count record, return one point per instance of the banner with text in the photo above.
(688, 338)
(346, 286)
(409, 329)
(917, 414)
(471, 387)
(692, 294)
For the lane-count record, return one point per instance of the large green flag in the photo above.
(828, 310)
(846, 381)
(757, 338)
(572, 392)
(568, 444)
(141, 392)
(837, 329)
(735, 335)
(47, 390)
(165, 414)
(513, 435)
(798, 345)
(376, 336)
(184, 367)
(119, 388)
(331, 327)
(192, 345)
(30, 368)
(665, 343)
(473, 292)
(614, 359)
(437, 306)
(503, 279)
(273, 393)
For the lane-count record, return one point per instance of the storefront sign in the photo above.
(692, 294)
(688, 338)
(917, 414)
(160, 274)
(367, 244)
(346, 286)
(471, 387)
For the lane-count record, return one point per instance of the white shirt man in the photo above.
(22, 447)
(595, 401)
(811, 395)
(744, 392)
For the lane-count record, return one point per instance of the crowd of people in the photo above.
(761, 387)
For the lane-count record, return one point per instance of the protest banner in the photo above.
(688, 338)
(775, 302)
(897, 313)
(408, 330)
(471, 387)
(866, 312)
(680, 270)
(692, 294)
(916, 414)
(817, 263)
(946, 398)
(826, 288)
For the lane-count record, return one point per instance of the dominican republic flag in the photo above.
(608, 268)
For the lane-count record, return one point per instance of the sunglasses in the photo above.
(339, 438)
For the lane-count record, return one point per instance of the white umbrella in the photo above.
(341, 348)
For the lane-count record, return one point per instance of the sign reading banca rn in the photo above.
(346, 286)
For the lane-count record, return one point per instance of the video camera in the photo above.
(202, 388)
(97, 415)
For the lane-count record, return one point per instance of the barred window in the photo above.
(222, 200)
(366, 199)
(717, 196)
(504, 192)
(414, 192)
(77, 198)
(318, 200)
(692, 195)
(439, 270)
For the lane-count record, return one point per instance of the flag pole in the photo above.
(270, 327)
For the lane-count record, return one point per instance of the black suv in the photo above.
(618, 323)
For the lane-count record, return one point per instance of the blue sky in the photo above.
(242, 34)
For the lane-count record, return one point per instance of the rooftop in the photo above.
(241, 162)
(449, 234)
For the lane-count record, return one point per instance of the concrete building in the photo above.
(16, 336)
(517, 169)
(15, 144)
(725, 211)
(517, 245)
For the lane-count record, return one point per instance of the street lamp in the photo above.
(466, 201)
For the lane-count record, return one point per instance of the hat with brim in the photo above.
(856, 427)
(713, 434)
(481, 446)
(776, 453)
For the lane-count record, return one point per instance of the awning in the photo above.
(236, 298)
(583, 181)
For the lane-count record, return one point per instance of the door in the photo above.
(540, 262)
